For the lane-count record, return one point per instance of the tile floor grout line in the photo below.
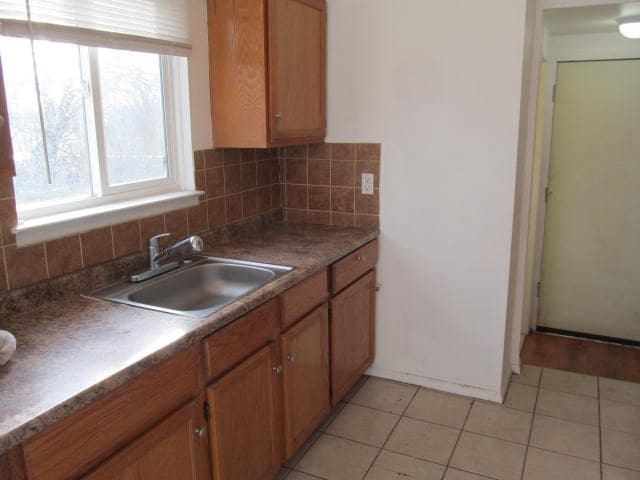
(455, 445)
(533, 416)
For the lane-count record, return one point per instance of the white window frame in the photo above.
(115, 204)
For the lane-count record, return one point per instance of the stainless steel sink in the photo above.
(197, 289)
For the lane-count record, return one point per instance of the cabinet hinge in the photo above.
(553, 94)
(546, 194)
(206, 411)
(538, 286)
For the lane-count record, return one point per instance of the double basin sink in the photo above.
(198, 288)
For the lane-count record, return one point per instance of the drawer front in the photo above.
(235, 342)
(304, 297)
(353, 266)
(79, 442)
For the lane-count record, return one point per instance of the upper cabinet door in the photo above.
(297, 70)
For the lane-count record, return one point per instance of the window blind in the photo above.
(160, 26)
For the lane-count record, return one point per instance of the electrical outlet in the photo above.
(367, 183)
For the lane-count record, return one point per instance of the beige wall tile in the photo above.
(25, 265)
(126, 238)
(97, 246)
(64, 255)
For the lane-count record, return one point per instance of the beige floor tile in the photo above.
(334, 413)
(356, 388)
(529, 375)
(384, 395)
(621, 449)
(569, 382)
(335, 458)
(488, 456)
(453, 474)
(393, 466)
(300, 476)
(575, 408)
(498, 421)
(620, 416)
(290, 463)
(619, 391)
(363, 424)
(566, 437)
(544, 465)
(610, 472)
(438, 407)
(522, 397)
(423, 440)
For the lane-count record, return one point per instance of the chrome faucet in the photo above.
(191, 244)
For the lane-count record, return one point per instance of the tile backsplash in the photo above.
(321, 183)
(239, 184)
(314, 183)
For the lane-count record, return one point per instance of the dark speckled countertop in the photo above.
(74, 350)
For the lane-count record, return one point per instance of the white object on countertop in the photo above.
(7, 346)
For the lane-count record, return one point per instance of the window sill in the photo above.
(29, 232)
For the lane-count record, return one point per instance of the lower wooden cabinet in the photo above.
(305, 358)
(175, 448)
(352, 334)
(246, 419)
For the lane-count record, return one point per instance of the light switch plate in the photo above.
(367, 183)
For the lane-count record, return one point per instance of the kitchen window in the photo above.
(99, 113)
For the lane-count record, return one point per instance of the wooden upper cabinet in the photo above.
(267, 72)
(246, 419)
(175, 448)
(305, 357)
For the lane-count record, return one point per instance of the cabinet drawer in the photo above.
(354, 265)
(80, 441)
(237, 341)
(304, 297)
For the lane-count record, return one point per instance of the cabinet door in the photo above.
(305, 357)
(175, 448)
(246, 419)
(352, 334)
(297, 73)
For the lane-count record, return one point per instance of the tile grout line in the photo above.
(455, 445)
(533, 417)
(400, 417)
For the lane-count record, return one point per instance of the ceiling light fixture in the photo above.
(629, 26)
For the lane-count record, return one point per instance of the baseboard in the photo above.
(469, 391)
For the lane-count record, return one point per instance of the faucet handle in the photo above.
(154, 241)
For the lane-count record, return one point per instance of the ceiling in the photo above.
(594, 19)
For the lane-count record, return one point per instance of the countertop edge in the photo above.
(230, 313)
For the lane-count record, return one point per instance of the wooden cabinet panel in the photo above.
(352, 335)
(79, 442)
(246, 419)
(175, 448)
(304, 297)
(305, 358)
(238, 72)
(349, 268)
(297, 31)
(235, 342)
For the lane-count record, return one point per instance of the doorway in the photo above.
(590, 277)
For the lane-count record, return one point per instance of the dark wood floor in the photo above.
(582, 356)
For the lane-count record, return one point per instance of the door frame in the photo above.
(523, 303)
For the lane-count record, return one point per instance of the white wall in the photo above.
(200, 105)
(439, 85)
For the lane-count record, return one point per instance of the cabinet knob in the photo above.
(201, 432)
(360, 258)
(378, 287)
(278, 115)
(278, 369)
(291, 357)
